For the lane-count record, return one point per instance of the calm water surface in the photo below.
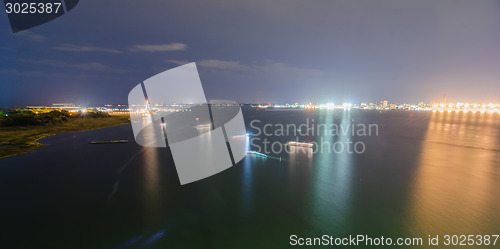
(430, 173)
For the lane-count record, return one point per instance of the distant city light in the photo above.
(148, 109)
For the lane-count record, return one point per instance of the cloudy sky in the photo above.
(260, 51)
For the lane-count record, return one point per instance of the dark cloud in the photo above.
(90, 66)
(74, 48)
(160, 47)
(31, 36)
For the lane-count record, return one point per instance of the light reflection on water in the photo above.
(445, 182)
(247, 183)
(433, 173)
(151, 186)
(332, 178)
(456, 185)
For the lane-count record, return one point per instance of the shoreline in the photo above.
(18, 140)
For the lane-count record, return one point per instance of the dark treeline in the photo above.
(22, 117)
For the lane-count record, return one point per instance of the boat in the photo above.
(241, 136)
(109, 142)
(255, 153)
(293, 143)
(203, 126)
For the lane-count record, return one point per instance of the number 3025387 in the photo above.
(32, 8)
(471, 240)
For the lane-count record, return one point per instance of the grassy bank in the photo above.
(17, 140)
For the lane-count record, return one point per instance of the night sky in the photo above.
(260, 51)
